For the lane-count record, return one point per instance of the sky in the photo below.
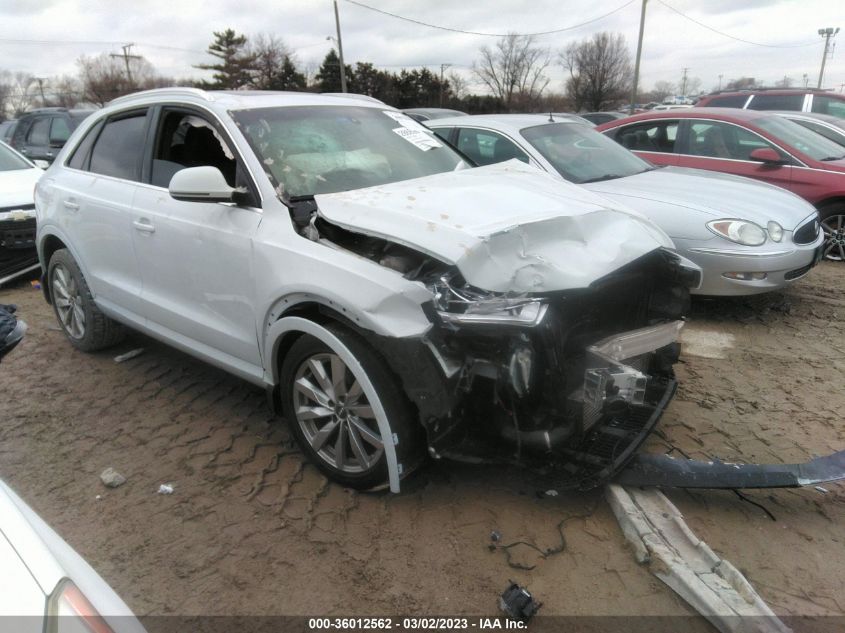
(46, 37)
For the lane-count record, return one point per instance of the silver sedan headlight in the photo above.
(775, 231)
(739, 231)
(469, 306)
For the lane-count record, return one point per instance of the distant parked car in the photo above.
(797, 99)
(46, 585)
(426, 114)
(747, 237)
(759, 145)
(670, 106)
(829, 126)
(602, 117)
(17, 214)
(7, 128)
(41, 133)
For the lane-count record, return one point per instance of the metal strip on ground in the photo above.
(711, 585)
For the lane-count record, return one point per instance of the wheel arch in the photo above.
(837, 199)
(49, 244)
(311, 319)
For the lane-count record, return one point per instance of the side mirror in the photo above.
(200, 184)
(766, 155)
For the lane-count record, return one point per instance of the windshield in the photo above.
(581, 154)
(9, 160)
(802, 139)
(310, 150)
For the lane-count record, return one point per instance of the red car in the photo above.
(756, 144)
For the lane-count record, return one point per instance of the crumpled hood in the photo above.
(507, 227)
(16, 186)
(711, 194)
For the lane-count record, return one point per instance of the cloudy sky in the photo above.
(45, 37)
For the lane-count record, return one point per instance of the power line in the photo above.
(453, 30)
(98, 43)
(738, 39)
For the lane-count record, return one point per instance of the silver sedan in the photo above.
(748, 237)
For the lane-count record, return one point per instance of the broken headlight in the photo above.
(469, 306)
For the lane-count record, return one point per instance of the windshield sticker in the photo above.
(418, 138)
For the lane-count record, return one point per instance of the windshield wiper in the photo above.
(829, 158)
(600, 178)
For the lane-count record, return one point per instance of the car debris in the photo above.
(649, 469)
(165, 489)
(12, 329)
(129, 355)
(518, 603)
(111, 478)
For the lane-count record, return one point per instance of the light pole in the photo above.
(637, 62)
(340, 50)
(442, 68)
(826, 34)
(720, 82)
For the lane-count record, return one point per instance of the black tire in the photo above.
(834, 228)
(399, 413)
(98, 331)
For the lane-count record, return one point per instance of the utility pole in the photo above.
(40, 81)
(340, 50)
(720, 82)
(827, 33)
(684, 84)
(637, 62)
(126, 57)
(442, 68)
(806, 80)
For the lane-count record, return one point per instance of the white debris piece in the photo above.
(165, 489)
(822, 489)
(111, 478)
(551, 493)
(129, 355)
(711, 585)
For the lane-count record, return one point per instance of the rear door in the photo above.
(655, 140)
(726, 147)
(196, 257)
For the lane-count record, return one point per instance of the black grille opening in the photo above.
(807, 233)
(798, 272)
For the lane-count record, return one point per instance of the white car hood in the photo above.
(709, 194)
(507, 227)
(17, 186)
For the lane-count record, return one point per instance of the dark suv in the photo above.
(793, 99)
(41, 133)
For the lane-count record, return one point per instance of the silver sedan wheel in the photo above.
(68, 302)
(335, 415)
(834, 237)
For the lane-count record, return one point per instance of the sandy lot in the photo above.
(251, 529)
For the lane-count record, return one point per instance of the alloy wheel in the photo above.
(834, 237)
(334, 414)
(68, 302)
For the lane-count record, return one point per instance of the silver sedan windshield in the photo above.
(324, 149)
(582, 155)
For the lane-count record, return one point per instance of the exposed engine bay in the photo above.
(573, 379)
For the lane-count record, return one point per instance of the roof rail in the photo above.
(352, 95)
(764, 89)
(175, 91)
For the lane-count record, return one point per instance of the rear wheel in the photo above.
(833, 225)
(84, 325)
(337, 408)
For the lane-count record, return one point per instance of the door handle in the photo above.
(71, 206)
(144, 226)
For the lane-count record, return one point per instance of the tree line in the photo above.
(513, 71)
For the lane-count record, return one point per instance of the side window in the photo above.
(119, 146)
(723, 140)
(79, 158)
(59, 130)
(443, 132)
(652, 136)
(187, 140)
(777, 102)
(487, 148)
(827, 105)
(39, 133)
(829, 134)
(732, 101)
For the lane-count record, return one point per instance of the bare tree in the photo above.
(742, 83)
(104, 78)
(786, 82)
(599, 71)
(64, 91)
(663, 89)
(21, 91)
(274, 65)
(459, 85)
(513, 70)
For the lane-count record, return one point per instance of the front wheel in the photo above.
(833, 225)
(337, 399)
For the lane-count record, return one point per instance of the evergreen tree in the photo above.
(236, 64)
(328, 76)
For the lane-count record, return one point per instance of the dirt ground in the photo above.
(251, 529)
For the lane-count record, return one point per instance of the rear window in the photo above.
(733, 101)
(118, 149)
(829, 105)
(777, 102)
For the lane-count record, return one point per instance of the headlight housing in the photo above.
(775, 231)
(69, 611)
(739, 231)
(469, 306)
